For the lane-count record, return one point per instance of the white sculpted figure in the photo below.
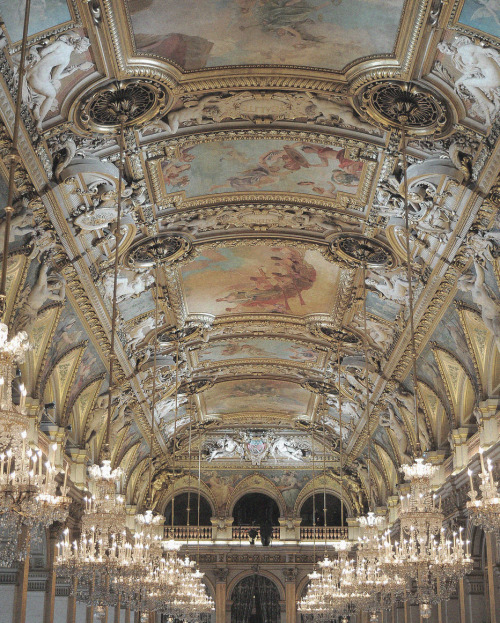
(139, 332)
(21, 224)
(329, 109)
(394, 287)
(129, 284)
(286, 448)
(484, 298)
(226, 446)
(191, 112)
(394, 424)
(47, 66)
(480, 69)
(52, 287)
(406, 400)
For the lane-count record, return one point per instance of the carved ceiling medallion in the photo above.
(399, 104)
(320, 387)
(358, 249)
(162, 249)
(139, 101)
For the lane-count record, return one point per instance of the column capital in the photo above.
(221, 575)
(290, 574)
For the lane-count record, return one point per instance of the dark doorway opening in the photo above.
(255, 599)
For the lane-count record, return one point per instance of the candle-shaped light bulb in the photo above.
(23, 393)
(469, 471)
(481, 459)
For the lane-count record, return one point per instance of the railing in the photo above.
(241, 532)
(191, 533)
(333, 533)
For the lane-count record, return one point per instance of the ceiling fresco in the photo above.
(263, 167)
(319, 34)
(260, 279)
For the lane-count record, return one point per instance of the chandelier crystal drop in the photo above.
(425, 557)
(29, 492)
(485, 511)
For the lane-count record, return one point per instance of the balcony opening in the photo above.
(255, 508)
(333, 510)
(181, 512)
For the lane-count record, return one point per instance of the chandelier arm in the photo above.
(367, 386)
(417, 449)
(114, 313)
(153, 397)
(14, 157)
(341, 442)
(323, 403)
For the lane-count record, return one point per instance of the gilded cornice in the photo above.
(394, 65)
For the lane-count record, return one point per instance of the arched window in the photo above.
(181, 512)
(255, 508)
(333, 510)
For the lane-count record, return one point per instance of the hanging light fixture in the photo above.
(103, 550)
(429, 561)
(29, 495)
(485, 511)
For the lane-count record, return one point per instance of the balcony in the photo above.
(239, 534)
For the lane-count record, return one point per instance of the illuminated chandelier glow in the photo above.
(28, 488)
(425, 556)
(485, 511)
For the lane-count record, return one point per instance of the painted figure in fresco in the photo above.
(489, 9)
(47, 66)
(47, 287)
(172, 170)
(480, 69)
(285, 18)
(290, 278)
(484, 298)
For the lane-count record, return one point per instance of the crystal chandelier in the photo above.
(485, 512)
(28, 487)
(424, 556)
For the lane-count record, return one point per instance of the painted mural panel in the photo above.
(315, 33)
(44, 14)
(482, 15)
(257, 396)
(256, 166)
(257, 348)
(289, 482)
(260, 279)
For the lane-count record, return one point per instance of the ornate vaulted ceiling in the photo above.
(261, 155)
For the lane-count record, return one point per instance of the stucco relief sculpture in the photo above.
(21, 224)
(48, 286)
(484, 298)
(129, 284)
(263, 107)
(393, 286)
(226, 447)
(48, 64)
(391, 421)
(480, 79)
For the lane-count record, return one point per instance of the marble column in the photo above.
(50, 586)
(220, 595)
(71, 612)
(290, 595)
(490, 568)
(21, 588)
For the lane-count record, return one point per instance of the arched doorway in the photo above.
(333, 510)
(182, 500)
(255, 599)
(255, 508)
